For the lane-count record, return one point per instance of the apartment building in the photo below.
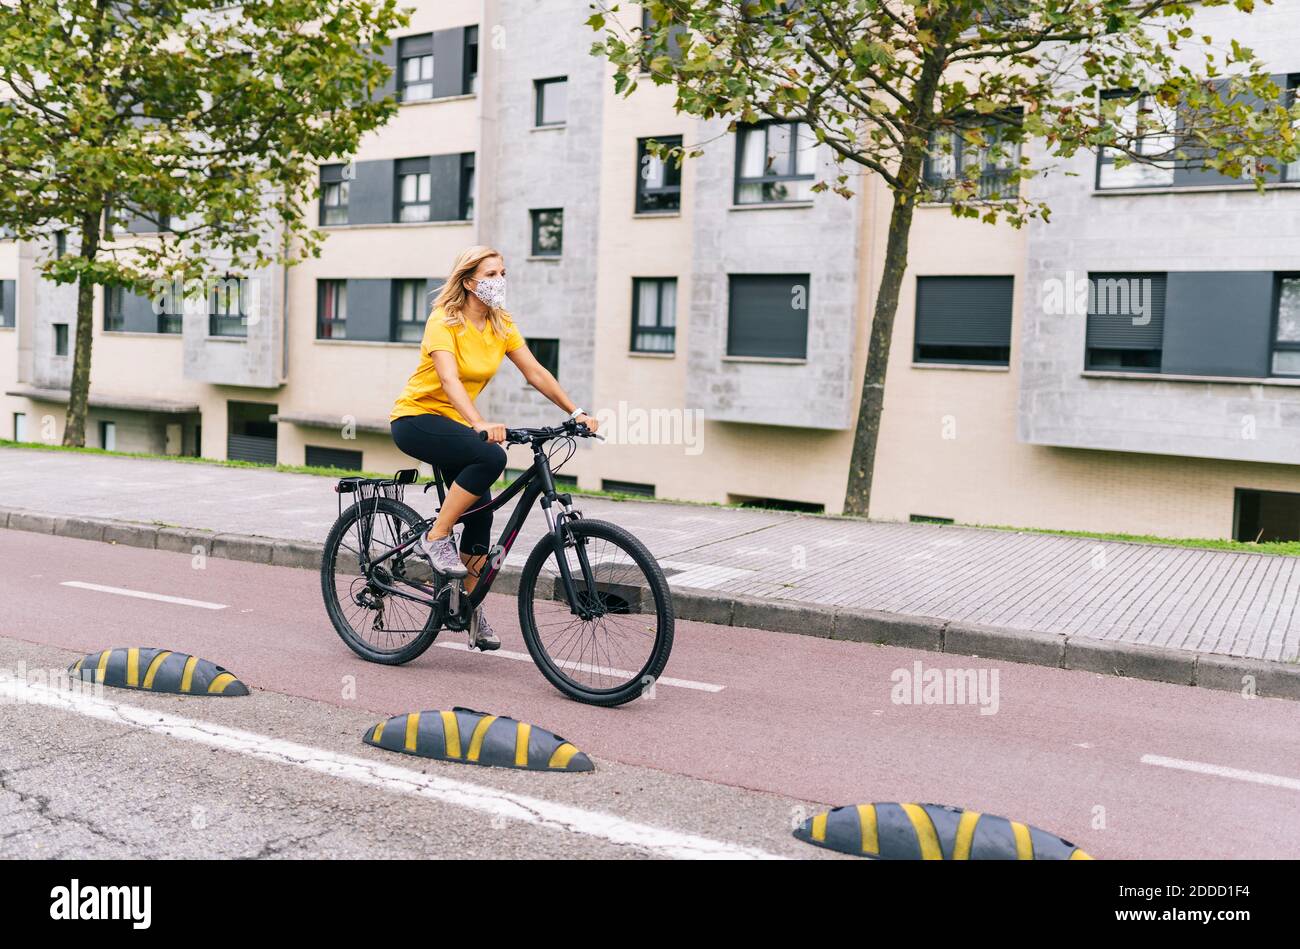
(717, 314)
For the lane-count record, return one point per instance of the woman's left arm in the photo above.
(540, 378)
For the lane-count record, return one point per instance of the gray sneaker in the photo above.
(481, 634)
(443, 556)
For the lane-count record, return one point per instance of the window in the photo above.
(658, 183)
(674, 45)
(548, 232)
(654, 314)
(333, 194)
(1142, 123)
(775, 163)
(20, 426)
(60, 339)
(251, 435)
(7, 293)
(331, 309)
(1286, 327)
(467, 186)
(552, 100)
(987, 162)
(1126, 320)
(410, 315)
(60, 244)
(1292, 171)
(1263, 516)
(627, 487)
(768, 316)
(114, 315)
(414, 189)
(547, 352)
(126, 311)
(169, 319)
(963, 320)
(227, 314)
(776, 504)
(108, 436)
(415, 67)
(471, 59)
(342, 458)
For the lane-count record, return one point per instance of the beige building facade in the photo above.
(719, 321)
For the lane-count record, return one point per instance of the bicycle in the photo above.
(594, 606)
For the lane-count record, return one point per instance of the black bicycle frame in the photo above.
(536, 482)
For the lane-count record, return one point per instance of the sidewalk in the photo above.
(1142, 610)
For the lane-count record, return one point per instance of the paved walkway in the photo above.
(1200, 600)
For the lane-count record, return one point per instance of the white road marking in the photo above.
(1255, 777)
(583, 667)
(478, 797)
(139, 594)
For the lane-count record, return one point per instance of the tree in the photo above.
(204, 117)
(888, 84)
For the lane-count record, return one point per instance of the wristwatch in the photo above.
(576, 412)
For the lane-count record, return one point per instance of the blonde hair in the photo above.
(452, 296)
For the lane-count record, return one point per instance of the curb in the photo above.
(1255, 677)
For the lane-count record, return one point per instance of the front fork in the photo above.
(584, 607)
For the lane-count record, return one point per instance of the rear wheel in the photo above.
(376, 625)
(616, 652)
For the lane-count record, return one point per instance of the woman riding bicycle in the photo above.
(435, 420)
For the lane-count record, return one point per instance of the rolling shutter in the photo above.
(444, 196)
(370, 196)
(1219, 323)
(449, 62)
(764, 318)
(318, 457)
(964, 311)
(1126, 311)
(370, 309)
(388, 56)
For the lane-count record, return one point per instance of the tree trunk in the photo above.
(74, 429)
(857, 496)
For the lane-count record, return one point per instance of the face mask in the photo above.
(492, 291)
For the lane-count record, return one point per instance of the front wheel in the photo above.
(616, 651)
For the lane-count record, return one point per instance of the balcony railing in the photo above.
(993, 185)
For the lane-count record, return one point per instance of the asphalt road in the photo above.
(762, 728)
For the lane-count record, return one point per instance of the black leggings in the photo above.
(457, 451)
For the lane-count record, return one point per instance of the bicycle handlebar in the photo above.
(522, 436)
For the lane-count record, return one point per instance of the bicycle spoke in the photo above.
(383, 621)
(610, 649)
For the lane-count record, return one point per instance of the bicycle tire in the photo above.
(422, 638)
(656, 585)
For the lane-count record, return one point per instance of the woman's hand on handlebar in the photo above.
(495, 431)
(588, 421)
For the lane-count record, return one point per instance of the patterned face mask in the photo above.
(492, 291)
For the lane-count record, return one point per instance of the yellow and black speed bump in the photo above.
(472, 737)
(931, 832)
(157, 670)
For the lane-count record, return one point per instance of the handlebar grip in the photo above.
(482, 436)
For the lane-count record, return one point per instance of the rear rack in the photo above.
(370, 490)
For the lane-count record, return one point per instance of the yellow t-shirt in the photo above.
(478, 356)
